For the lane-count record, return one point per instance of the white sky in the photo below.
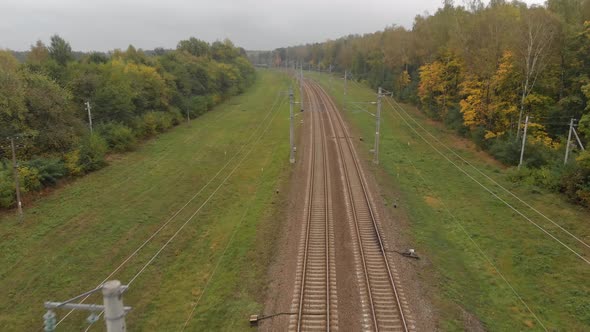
(253, 24)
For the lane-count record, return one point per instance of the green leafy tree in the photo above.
(194, 46)
(60, 50)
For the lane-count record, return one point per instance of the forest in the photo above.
(483, 69)
(133, 95)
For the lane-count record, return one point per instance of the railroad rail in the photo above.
(315, 302)
(382, 302)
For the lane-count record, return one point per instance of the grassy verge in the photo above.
(214, 268)
(487, 260)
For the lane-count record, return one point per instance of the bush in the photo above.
(7, 194)
(50, 170)
(92, 153)
(146, 125)
(119, 137)
(199, 105)
(152, 123)
(72, 162)
(575, 181)
(163, 121)
(506, 150)
(454, 120)
(29, 179)
(176, 116)
(478, 135)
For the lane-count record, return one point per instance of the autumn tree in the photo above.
(537, 33)
(439, 84)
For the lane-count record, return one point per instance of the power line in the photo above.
(479, 249)
(185, 205)
(107, 191)
(203, 204)
(491, 191)
(489, 178)
(225, 249)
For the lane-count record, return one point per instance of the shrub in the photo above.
(163, 121)
(176, 116)
(478, 136)
(50, 170)
(29, 179)
(7, 194)
(92, 153)
(147, 125)
(72, 162)
(119, 137)
(506, 150)
(575, 183)
(199, 105)
(454, 120)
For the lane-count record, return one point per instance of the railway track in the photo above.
(382, 303)
(314, 301)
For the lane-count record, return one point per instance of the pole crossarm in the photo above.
(113, 308)
(79, 306)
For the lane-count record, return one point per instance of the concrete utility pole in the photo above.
(113, 308)
(569, 140)
(301, 86)
(578, 139)
(291, 138)
(377, 128)
(89, 115)
(16, 180)
(526, 125)
(345, 82)
(114, 311)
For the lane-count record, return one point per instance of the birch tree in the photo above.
(538, 32)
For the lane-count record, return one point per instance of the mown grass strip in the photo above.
(73, 237)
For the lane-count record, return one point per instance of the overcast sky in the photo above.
(253, 24)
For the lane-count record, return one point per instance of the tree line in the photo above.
(482, 69)
(133, 95)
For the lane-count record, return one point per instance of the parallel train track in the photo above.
(315, 300)
(382, 303)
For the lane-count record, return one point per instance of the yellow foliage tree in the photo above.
(491, 104)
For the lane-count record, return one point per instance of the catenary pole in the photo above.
(345, 82)
(88, 108)
(16, 180)
(579, 140)
(526, 125)
(301, 86)
(291, 138)
(377, 128)
(569, 140)
(114, 310)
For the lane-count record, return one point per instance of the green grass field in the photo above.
(216, 265)
(477, 247)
